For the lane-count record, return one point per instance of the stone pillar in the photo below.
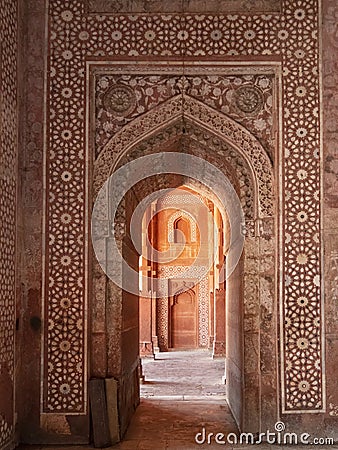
(211, 320)
(146, 344)
(219, 323)
(211, 287)
(154, 336)
(154, 281)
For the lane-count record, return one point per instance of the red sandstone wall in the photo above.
(8, 187)
(31, 165)
(234, 344)
(31, 117)
(330, 161)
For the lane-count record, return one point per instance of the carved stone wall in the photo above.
(290, 37)
(190, 6)
(248, 100)
(330, 162)
(8, 222)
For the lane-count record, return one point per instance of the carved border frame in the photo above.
(291, 37)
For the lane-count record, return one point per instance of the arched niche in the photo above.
(183, 319)
(175, 222)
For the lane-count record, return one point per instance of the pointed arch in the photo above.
(205, 117)
(182, 215)
(228, 146)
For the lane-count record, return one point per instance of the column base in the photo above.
(156, 347)
(211, 342)
(218, 349)
(146, 350)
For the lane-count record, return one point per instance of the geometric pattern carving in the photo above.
(181, 199)
(190, 272)
(203, 312)
(292, 37)
(162, 311)
(8, 192)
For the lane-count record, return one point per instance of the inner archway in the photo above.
(188, 320)
(243, 298)
(186, 228)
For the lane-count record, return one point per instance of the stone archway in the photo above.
(251, 293)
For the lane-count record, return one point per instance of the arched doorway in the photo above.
(183, 320)
(249, 171)
(195, 266)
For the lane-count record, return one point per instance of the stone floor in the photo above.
(183, 375)
(182, 394)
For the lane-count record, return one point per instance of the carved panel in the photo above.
(203, 144)
(162, 322)
(221, 125)
(190, 6)
(223, 93)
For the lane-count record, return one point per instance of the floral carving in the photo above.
(196, 111)
(248, 99)
(216, 91)
(119, 100)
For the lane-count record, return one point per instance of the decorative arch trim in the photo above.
(190, 292)
(217, 122)
(184, 215)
